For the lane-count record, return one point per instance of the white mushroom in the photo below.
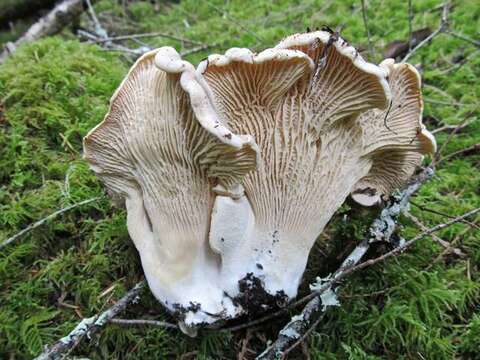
(313, 153)
(151, 150)
(231, 171)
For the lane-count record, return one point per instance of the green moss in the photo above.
(56, 89)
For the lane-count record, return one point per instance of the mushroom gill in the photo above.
(151, 151)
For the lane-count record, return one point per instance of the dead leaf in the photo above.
(399, 48)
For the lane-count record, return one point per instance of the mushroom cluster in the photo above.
(229, 171)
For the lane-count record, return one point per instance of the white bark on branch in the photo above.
(60, 16)
(89, 326)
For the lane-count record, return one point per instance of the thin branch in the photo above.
(59, 17)
(441, 242)
(110, 46)
(197, 49)
(141, 322)
(464, 38)
(442, 28)
(474, 149)
(409, 243)
(365, 23)
(89, 326)
(45, 219)
(99, 29)
(438, 155)
(449, 128)
(424, 208)
(234, 21)
(149, 35)
(445, 103)
(410, 19)
(304, 336)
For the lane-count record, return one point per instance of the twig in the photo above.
(474, 149)
(99, 30)
(451, 127)
(197, 49)
(141, 322)
(59, 17)
(322, 295)
(438, 155)
(464, 38)
(409, 243)
(225, 14)
(459, 64)
(441, 242)
(410, 19)
(424, 208)
(442, 28)
(110, 46)
(304, 336)
(89, 326)
(365, 23)
(446, 103)
(430, 265)
(149, 35)
(45, 219)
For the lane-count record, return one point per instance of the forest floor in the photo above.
(423, 304)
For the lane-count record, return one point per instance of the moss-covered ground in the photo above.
(422, 305)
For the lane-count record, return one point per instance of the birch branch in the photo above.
(59, 17)
(89, 326)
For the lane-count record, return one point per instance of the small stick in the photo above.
(438, 155)
(89, 326)
(197, 49)
(410, 18)
(148, 35)
(365, 23)
(409, 243)
(141, 322)
(464, 38)
(441, 242)
(442, 28)
(244, 28)
(451, 127)
(424, 208)
(474, 149)
(45, 219)
(99, 30)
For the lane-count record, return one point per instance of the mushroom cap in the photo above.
(301, 102)
(395, 139)
(153, 152)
